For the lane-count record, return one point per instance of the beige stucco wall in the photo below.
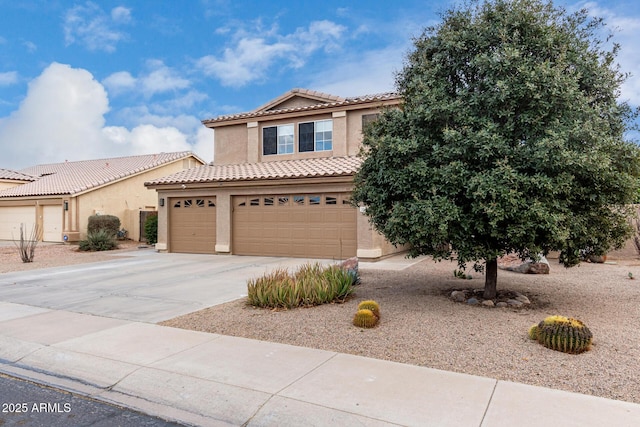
(230, 144)
(120, 198)
(354, 129)
(242, 143)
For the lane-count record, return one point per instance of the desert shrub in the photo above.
(27, 245)
(370, 305)
(365, 319)
(562, 334)
(108, 223)
(310, 285)
(101, 240)
(151, 229)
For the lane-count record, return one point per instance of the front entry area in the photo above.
(193, 225)
(295, 225)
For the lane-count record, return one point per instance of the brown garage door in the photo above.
(297, 225)
(192, 225)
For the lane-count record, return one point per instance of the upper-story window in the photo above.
(315, 136)
(312, 136)
(277, 140)
(368, 119)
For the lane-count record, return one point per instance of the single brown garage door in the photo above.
(295, 225)
(192, 225)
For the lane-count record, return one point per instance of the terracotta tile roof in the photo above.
(332, 101)
(15, 176)
(305, 168)
(76, 177)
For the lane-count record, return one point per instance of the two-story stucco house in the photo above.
(279, 185)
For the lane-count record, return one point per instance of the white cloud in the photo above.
(158, 79)
(362, 73)
(121, 14)
(161, 79)
(119, 82)
(146, 139)
(63, 118)
(30, 46)
(90, 26)
(8, 78)
(204, 143)
(252, 56)
(60, 118)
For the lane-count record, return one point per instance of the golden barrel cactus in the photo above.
(562, 334)
(365, 319)
(370, 305)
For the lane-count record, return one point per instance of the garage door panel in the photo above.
(52, 219)
(10, 219)
(192, 225)
(299, 225)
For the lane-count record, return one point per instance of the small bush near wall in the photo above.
(101, 240)
(151, 229)
(109, 223)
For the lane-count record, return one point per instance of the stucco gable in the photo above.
(303, 101)
(297, 98)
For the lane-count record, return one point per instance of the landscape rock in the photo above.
(458, 296)
(502, 304)
(351, 266)
(488, 303)
(523, 299)
(512, 262)
(514, 303)
(472, 301)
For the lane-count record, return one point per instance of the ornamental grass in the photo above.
(311, 284)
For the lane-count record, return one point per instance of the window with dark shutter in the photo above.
(305, 137)
(270, 140)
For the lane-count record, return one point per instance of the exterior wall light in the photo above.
(162, 201)
(66, 205)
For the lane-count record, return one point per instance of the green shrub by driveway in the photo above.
(310, 285)
(101, 240)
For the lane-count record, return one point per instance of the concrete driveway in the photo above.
(146, 287)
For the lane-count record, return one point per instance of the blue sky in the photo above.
(93, 79)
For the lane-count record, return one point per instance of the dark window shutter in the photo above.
(305, 137)
(270, 140)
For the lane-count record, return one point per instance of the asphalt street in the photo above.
(23, 403)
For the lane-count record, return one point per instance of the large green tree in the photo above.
(510, 139)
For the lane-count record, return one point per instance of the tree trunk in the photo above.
(491, 279)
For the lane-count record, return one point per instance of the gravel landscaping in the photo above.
(420, 324)
(55, 255)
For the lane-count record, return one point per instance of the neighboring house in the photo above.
(60, 197)
(9, 178)
(279, 185)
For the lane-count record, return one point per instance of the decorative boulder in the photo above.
(351, 265)
(512, 262)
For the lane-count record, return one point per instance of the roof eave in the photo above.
(242, 118)
(341, 178)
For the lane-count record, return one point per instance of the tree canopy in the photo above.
(510, 139)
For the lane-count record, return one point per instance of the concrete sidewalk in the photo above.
(213, 380)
